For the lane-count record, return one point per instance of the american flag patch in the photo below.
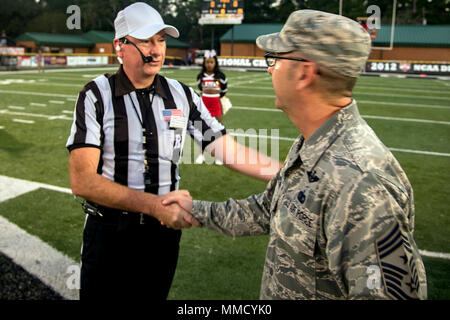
(167, 114)
(398, 265)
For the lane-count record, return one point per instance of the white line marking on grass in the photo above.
(59, 70)
(38, 104)
(11, 188)
(257, 109)
(28, 251)
(407, 119)
(2, 127)
(399, 95)
(399, 104)
(37, 257)
(443, 82)
(435, 254)
(364, 116)
(32, 93)
(355, 92)
(428, 153)
(49, 117)
(23, 121)
(16, 108)
(270, 88)
(67, 111)
(57, 101)
(402, 89)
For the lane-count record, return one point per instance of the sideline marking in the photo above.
(28, 251)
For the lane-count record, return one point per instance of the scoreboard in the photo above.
(222, 12)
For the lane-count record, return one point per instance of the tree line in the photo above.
(19, 16)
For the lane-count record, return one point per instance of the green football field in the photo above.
(411, 116)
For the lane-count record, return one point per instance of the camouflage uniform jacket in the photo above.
(340, 214)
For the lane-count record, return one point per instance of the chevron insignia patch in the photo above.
(397, 265)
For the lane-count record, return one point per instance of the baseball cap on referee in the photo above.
(141, 21)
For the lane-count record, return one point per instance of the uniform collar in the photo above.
(313, 149)
(124, 86)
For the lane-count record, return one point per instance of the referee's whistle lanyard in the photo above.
(145, 142)
(145, 148)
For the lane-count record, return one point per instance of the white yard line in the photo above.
(270, 88)
(30, 252)
(23, 121)
(16, 108)
(428, 153)
(64, 70)
(407, 119)
(364, 116)
(400, 104)
(38, 115)
(57, 101)
(43, 94)
(355, 92)
(35, 104)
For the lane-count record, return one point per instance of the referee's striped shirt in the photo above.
(105, 118)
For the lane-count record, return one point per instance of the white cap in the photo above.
(141, 21)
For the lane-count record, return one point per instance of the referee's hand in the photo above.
(178, 204)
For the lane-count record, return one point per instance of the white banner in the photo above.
(242, 62)
(86, 60)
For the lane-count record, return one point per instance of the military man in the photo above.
(340, 212)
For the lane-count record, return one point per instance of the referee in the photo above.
(125, 146)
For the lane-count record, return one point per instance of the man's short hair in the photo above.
(332, 84)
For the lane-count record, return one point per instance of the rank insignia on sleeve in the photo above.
(397, 264)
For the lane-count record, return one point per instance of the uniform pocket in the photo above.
(296, 226)
(166, 143)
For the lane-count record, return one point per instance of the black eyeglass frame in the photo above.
(268, 55)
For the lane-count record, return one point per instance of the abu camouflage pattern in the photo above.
(340, 208)
(330, 40)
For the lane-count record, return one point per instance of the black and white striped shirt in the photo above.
(108, 116)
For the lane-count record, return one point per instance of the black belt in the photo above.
(116, 216)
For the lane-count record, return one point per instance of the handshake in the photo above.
(176, 210)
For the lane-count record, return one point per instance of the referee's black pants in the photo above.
(124, 259)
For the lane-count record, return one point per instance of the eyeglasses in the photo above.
(272, 59)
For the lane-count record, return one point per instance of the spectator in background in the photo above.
(40, 63)
(3, 39)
